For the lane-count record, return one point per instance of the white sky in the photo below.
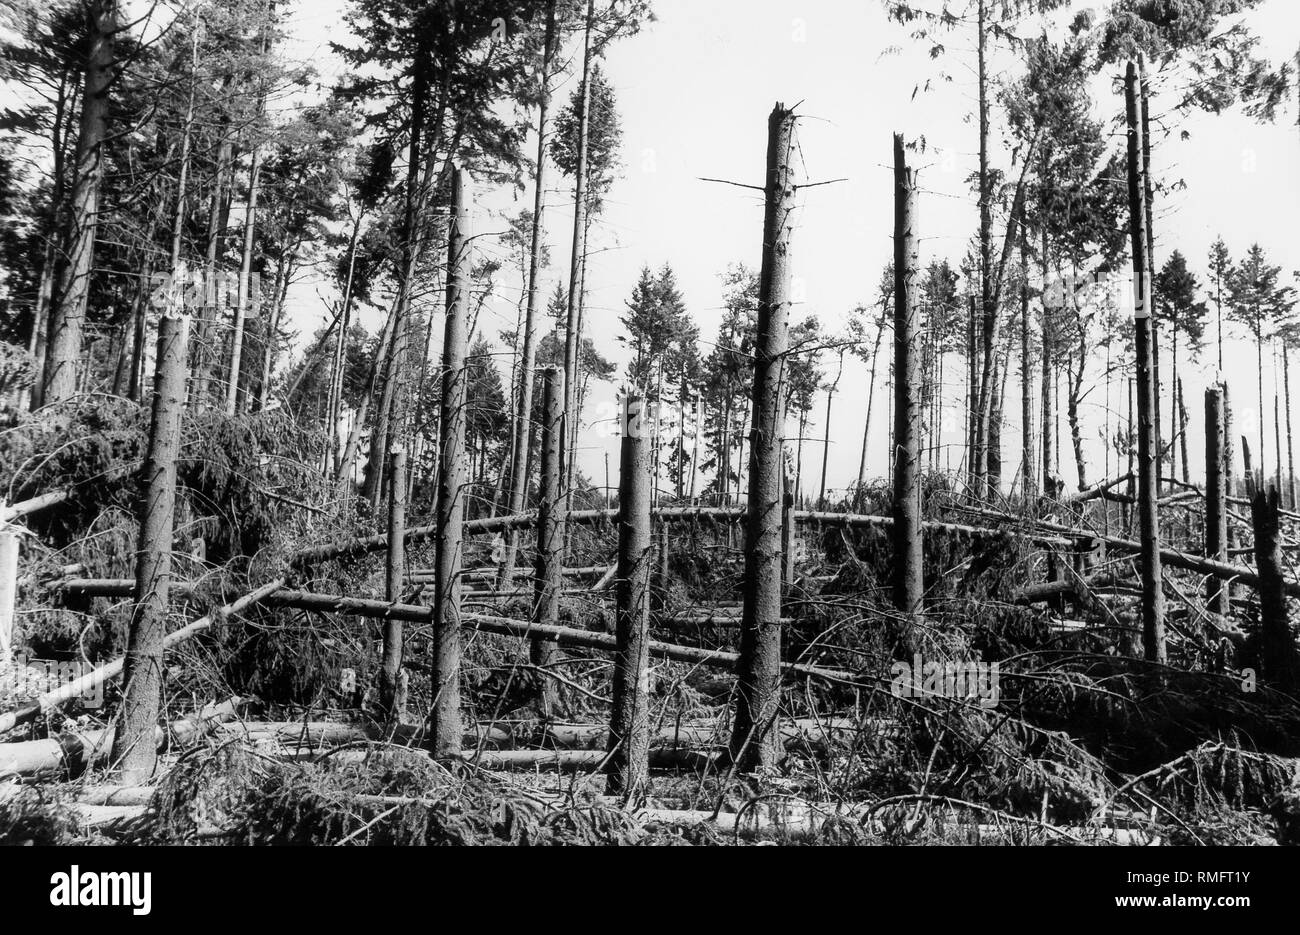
(694, 91)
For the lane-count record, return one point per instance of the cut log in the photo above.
(75, 751)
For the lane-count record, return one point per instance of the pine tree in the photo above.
(1256, 300)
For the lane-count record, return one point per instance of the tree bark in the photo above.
(446, 732)
(391, 704)
(871, 392)
(908, 584)
(1026, 381)
(754, 744)
(246, 300)
(1277, 648)
(1153, 603)
(550, 531)
(1216, 497)
(528, 354)
(1290, 450)
(573, 319)
(629, 729)
(68, 311)
(133, 746)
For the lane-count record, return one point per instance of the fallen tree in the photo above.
(69, 690)
(74, 751)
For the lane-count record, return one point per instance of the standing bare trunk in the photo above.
(1026, 380)
(1153, 601)
(133, 746)
(1216, 497)
(871, 392)
(1182, 432)
(247, 300)
(451, 479)
(755, 743)
(826, 432)
(1049, 415)
(988, 308)
(333, 452)
(524, 401)
(573, 319)
(972, 393)
(68, 312)
(550, 534)
(629, 729)
(908, 584)
(1277, 648)
(1290, 450)
(390, 668)
(1147, 209)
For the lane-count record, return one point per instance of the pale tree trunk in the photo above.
(826, 432)
(871, 393)
(1026, 381)
(333, 453)
(214, 290)
(68, 311)
(1153, 602)
(573, 319)
(248, 296)
(1290, 450)
(446, 733)
(755, 742)
(908, 584)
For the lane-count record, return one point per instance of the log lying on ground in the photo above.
(377, 543)
(54, 497)
(818, 732)
(564, 636)
(89, 681)
(75, 751)
(660, 758)
(1171, 557)
(804, 819)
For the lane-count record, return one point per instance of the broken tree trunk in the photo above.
(391, 700)
(1277, 649)
(908, 582)
(629, 726)
(143, 664)
(550, 531)
(753, 743)
(1216, 498)
(446, 731)
(1153, 602)
(86, 683)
